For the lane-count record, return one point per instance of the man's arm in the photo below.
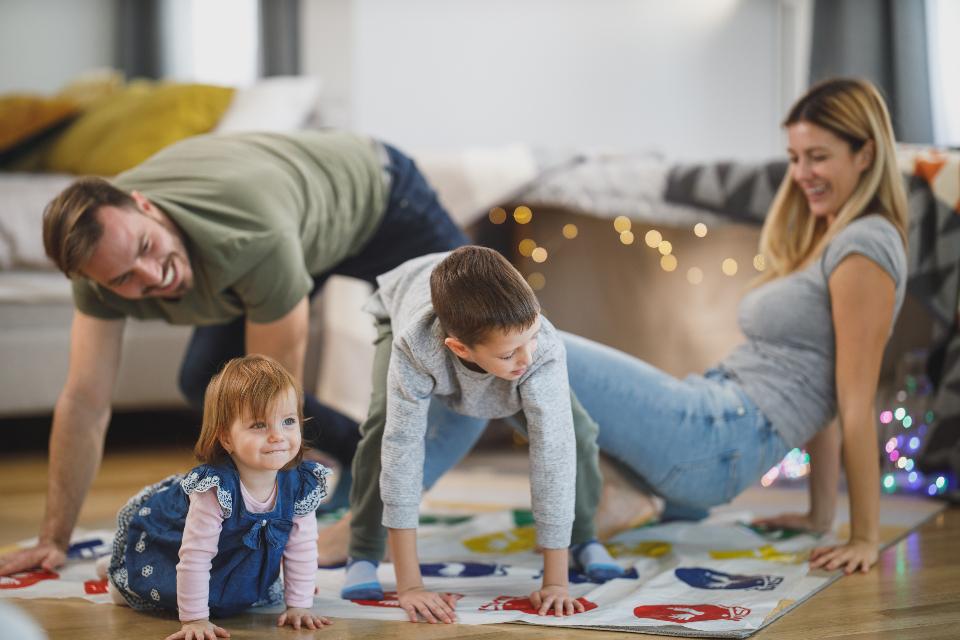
(284, 340)
(80, 421)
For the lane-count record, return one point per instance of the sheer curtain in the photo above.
(229, 42)
(943, 19)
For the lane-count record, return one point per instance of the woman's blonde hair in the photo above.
(854, 111)
(244, 388)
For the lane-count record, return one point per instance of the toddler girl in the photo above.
(211, 542)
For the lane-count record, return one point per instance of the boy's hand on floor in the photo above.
(302, 619)
(199, 630)
(434, 607)
(556, 597)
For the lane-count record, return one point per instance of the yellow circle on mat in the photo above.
(512, 541)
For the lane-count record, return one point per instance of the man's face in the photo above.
(140, 255)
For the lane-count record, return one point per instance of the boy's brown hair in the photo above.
(71, 230)
(244, 388)
(475, 290)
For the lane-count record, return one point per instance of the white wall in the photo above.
(45, 43)
(692, 78)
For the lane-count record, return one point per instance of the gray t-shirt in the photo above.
(787, 366)
(421, 368)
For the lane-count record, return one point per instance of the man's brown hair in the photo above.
(71, 230)
(475, 290)
(244, 388)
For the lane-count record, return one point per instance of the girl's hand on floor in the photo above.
(557, 597)
(199, 630)
(302, 619)
(795, 521)
(434, 607)
(855, 555)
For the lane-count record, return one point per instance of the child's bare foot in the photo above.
(332, 542)
(622, 506)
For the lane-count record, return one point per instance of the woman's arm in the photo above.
(862, 297)
(824, 450)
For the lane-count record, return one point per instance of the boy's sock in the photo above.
(593, 559)
(361, 582)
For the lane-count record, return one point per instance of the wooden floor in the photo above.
(914, 593)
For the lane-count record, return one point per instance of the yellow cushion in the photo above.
(23, 117)
(123, 130)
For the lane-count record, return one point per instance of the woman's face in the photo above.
(824, 166)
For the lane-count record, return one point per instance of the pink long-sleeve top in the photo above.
(201, 533)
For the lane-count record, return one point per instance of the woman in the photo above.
(816, 327)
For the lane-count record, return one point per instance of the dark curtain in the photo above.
(279, 37)
(139, 53)
(884, 41)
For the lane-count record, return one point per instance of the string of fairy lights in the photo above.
(903, 425)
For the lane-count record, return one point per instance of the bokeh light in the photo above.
(700, 230)
(539, 254)
(759, 262)
(665, 248)
(570, 231)
(537, 281)
(622, 223)
(653, 238)
(522, 214)
(694, 275)
(498, 215)
(526, 247)
(626, 237)
(668, 263)
(729, 267)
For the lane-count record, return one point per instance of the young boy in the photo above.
(465, 329)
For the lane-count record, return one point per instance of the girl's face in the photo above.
(267, 444)
(825, 168)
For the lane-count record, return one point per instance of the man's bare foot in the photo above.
(333, 541)
(622, 506)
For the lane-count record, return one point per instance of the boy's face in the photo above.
(503, 354)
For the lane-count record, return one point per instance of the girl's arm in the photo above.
(862, 297)
(299, 575)
(201, 534)
(413, 597)
(824, 450)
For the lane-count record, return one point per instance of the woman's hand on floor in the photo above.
(853, 556)
(199, 630)
(302, 619)
(44, 555)
(796, 522)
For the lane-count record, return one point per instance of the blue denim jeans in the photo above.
(414, 224)
(696, 442)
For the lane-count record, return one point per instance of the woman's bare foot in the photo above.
(333, 541)
(622, 506)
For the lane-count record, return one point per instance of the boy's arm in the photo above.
(413, 597)
(545, 398)
(409, 389)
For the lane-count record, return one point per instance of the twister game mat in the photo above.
(716, 578)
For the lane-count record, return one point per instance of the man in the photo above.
(231, 234)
